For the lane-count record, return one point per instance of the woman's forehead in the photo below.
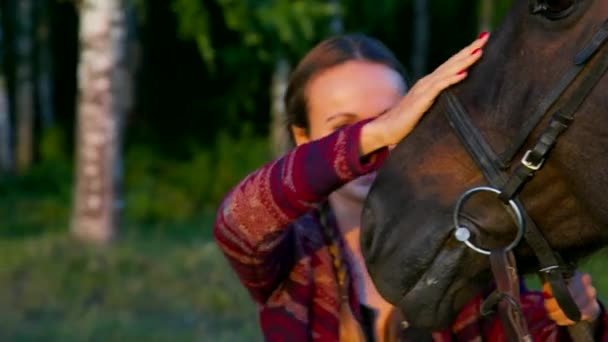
(355, 87)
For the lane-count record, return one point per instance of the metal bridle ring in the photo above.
(462, 234)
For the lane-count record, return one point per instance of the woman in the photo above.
(291, 228)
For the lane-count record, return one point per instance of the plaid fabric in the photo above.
(269, 231)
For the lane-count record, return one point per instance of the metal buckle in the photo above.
(527, 163)
(549, 269)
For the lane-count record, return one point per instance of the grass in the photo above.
(143, 288)
(55, 289)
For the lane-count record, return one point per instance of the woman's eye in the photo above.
(554, 9)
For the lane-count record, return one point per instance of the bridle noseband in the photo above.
(589, 66)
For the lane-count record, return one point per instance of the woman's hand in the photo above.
(398, 122)
(584, 295)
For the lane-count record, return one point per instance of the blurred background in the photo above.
(122, 125)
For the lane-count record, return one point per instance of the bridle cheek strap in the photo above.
(504, 270)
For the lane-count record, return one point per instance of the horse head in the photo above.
(407, 237)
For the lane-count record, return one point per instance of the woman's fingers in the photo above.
(455, 69)
(584, 295)
(475, 45)
(452, 73)
(446, 82)
(465, 57)
(462, 63)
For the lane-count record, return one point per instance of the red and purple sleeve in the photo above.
(543, 328)
(468, 325)
(250, 226)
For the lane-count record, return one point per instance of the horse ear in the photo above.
(300, 135)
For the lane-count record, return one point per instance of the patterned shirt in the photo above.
(269, 230)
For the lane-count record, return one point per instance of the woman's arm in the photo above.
(250, 226)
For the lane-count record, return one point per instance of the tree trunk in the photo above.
(44, 63)
(24, 85)
(6, 155)
(336, 24)
(278, 132)
(421, 30)
(486, 15)
(104, 97)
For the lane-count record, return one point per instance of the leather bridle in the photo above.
(589, 66)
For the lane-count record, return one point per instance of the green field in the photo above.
(143, 288)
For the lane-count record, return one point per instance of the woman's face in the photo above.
(345, 94)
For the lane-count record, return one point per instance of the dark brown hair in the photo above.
(329, 53)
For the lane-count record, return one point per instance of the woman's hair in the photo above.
(329, 53)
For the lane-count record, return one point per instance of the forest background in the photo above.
(122, 125)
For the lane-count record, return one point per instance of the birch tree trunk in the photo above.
(44, 63)
(336, 25)
(24, 85)
(421, 30)
(6, 155)
(486, 15)
(278, 133)
(104, 97)
(279, 139)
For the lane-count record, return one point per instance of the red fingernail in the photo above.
(546, 295)
(462, 72)
(475, 51)
(483, 35)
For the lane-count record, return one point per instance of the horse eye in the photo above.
(554, 9)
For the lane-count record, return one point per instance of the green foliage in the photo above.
(367, 16)
(239, 42)
(38, 201)
(286, 25)
(52, 145)
(265, 28)
(161, 193)
(502, 6)
(165, 190)
(194, 23)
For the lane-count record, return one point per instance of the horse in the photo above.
(436, 189)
